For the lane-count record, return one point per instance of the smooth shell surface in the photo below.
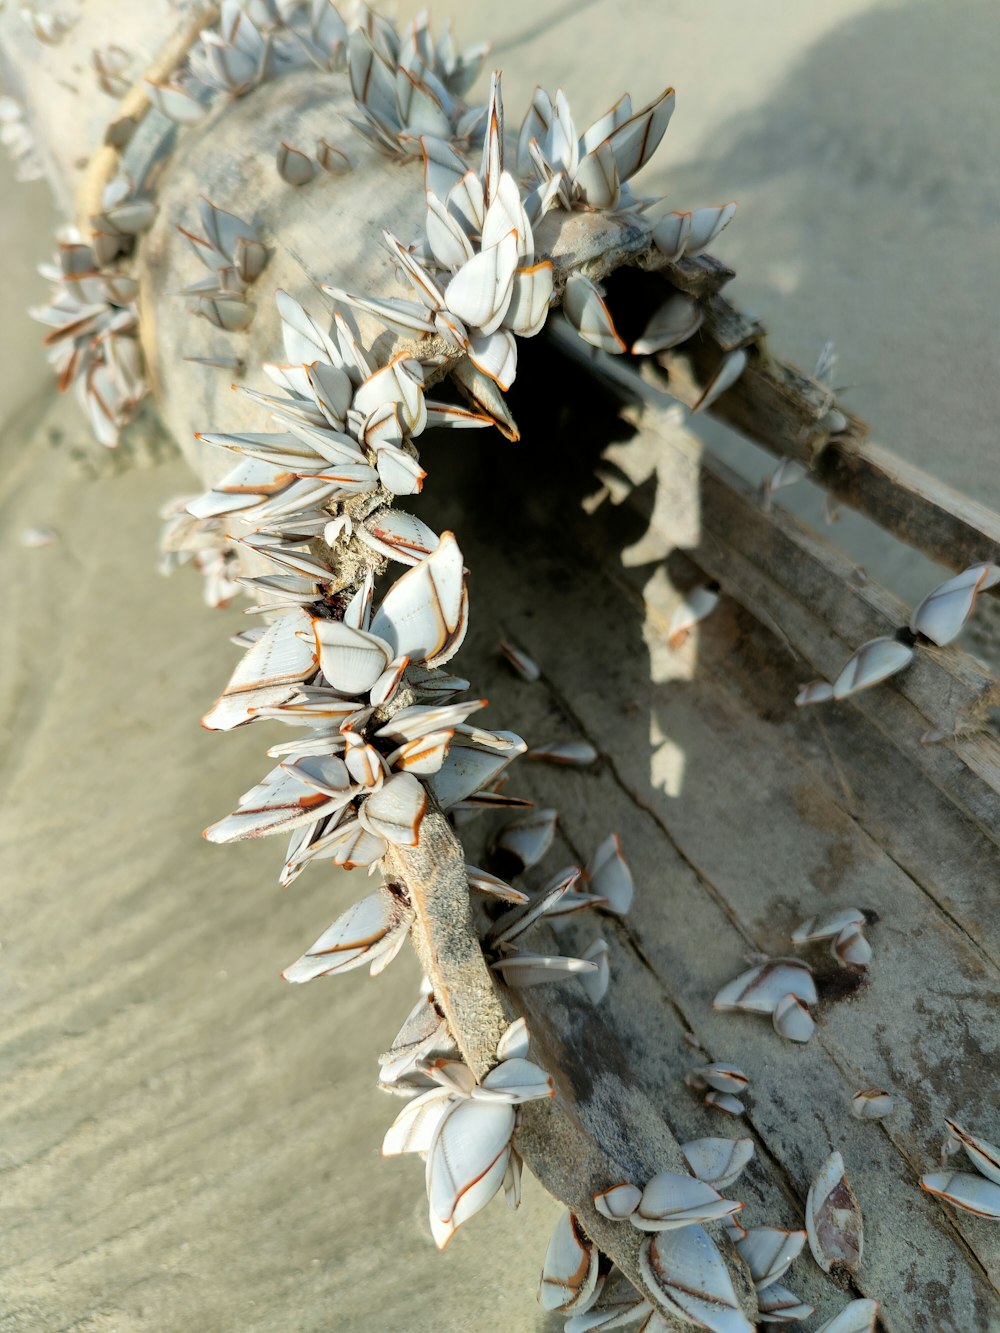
(833, 1218)
(687, 1273)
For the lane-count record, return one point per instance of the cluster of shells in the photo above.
(354, 664)
(683, 1266)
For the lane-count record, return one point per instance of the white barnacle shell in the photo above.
(400, 382)
(424, 1034)
(466, 1162)
(175, 102)
(728, 371)
(230, 313)
(525, 667)
(531, 969)
(718, 1162)
(723, 1077)
(672, 1200)
(679, 318)
(512, 1180)
(759, 989)
(670, 235)
(874, 661)
(829, 926)
(414, 1128)
(422, 757)
(850, 948)
(943, 612)
(514, 1043)
(706, 223)
(507, 930)
(515, 1080)
(833, 1218)
(984, 1156)
(326, 772)
(788, 473)
(857, 1317)
(699, 603)
(395, 811)
(724, 1101)
(778, 1305)
(331, 159)
(871, 1104)
(483, 882)
(370, 933)
(792, 1020)
(424, 615)
(421, 719)
(276, 660)
(608, 875)
(596, 983)
(397, 535)
(623, 1306)
(634, 141)
(571, 1267)
(528, 837)
(470, 769)
(816, 692)
(481, 290)
(363, 762)
(351, 660)
(585, 308)
(279, 803)
(304, 340)
(618, 1202)
(688, 1275)
(453, 1075)
(768, 1252)
(972, 1193)
(294, 166)
(530, 297)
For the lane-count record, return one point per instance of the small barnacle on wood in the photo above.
(833, 1219)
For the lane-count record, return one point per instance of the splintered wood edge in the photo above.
(599, 1129)
(786, 411)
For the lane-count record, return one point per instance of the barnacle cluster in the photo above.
(357, 665)
(17, 138)
(307, 521)
(313, 504)
(92, 320)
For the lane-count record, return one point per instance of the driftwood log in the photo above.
(740, 815)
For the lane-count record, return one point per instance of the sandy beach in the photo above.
(187, 1144)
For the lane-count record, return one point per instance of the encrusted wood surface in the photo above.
(600, 1129)
(741, 816)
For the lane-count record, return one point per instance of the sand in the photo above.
(187, 1143)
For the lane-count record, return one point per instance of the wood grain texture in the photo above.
(741, 816)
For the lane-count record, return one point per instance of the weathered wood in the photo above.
(600, 1129)
(57, 84)
(779, 407)
(704, 739)
(794, 581)
(919, 509)
(700, 276)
